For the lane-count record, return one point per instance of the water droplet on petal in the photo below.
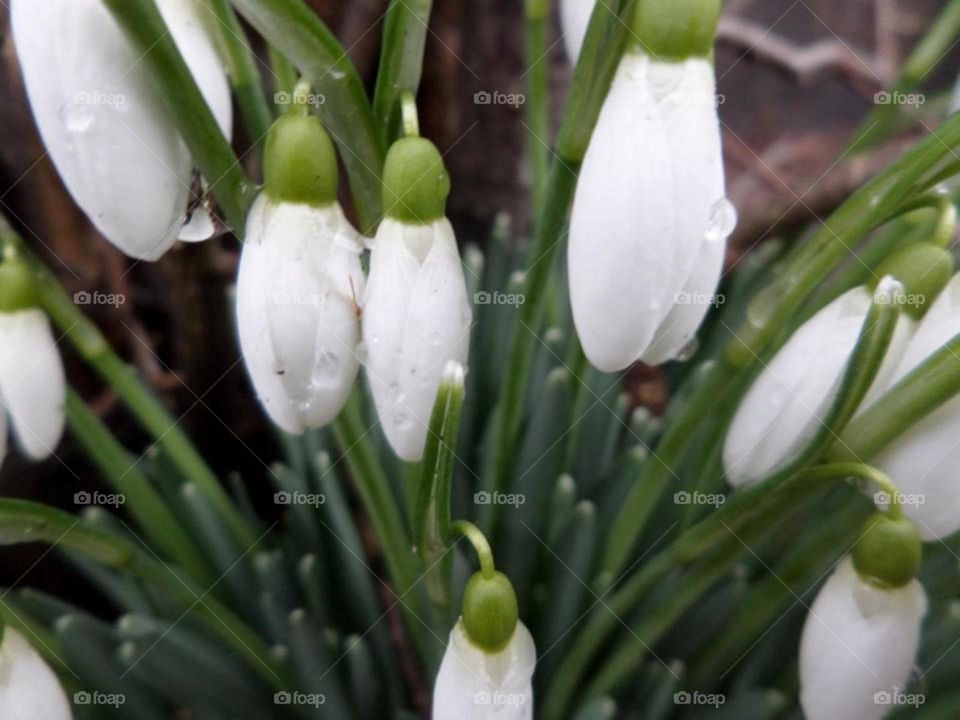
(77, 116)
(722, 221)
(402, 421)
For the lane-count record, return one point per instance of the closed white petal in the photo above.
(923, 461)
(29, 690)
(858, 646)
(474, 685)
(783, 408)
(32, 382)
(415, 320)
(299, 279)
(574, 19)
(103, 125)
(622, 255)
(690, 306)
(3, 431)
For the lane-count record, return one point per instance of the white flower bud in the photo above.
(32, 383)
(858, 646)
(650, 218)
(784, 407)
(475, 685)
(297, 290)
(102, 123)
(415, 320)
(28, 688)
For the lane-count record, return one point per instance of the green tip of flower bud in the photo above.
(490, 612)
(676, 29)
(299, 163)
(924, 269)
(415, 182)
(18, 288)
(889, 551)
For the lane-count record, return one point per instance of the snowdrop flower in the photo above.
(488, 667)
(924, 460)
(32, 381)
(650, 217)
(416, 317)
(574, 19)
(29, 690)
(782, 411)
(299, 281)
(858, 645)
(106, 130)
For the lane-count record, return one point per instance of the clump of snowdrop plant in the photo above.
(809, 443)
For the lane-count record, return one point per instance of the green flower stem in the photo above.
(401, 61)
(603, 46)
(871, 206)
(146, 30)
(472, 533)
(537, 12)
(378, 500)
(291, 26)
(411, 123)
(929, 52)
(90, 344)
(710, 543)
(22, 521)
(143, 502)
(431, 523)
(241, 62)
(284, 74)
(946, 213)
(933, 383)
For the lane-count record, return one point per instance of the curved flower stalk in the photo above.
(29, 690)
(32, 380)
(416, 316)
(299, 282)
(650, 216)
(103, 125)
(924, 460)
(858, 646)
(783, 408)
(487, 670)
(574, 19)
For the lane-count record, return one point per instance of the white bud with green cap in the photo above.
(488, 667)
(416, 316)
(650, 216)
(32, 380)
(300, 281)
(29, 689)
(102, 123)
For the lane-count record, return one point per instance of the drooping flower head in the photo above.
(650, 217)
(106, 130)
(300, 281)
(416, 317)
(29, 690)
(32, 380)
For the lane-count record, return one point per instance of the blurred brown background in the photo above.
(796, 76)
